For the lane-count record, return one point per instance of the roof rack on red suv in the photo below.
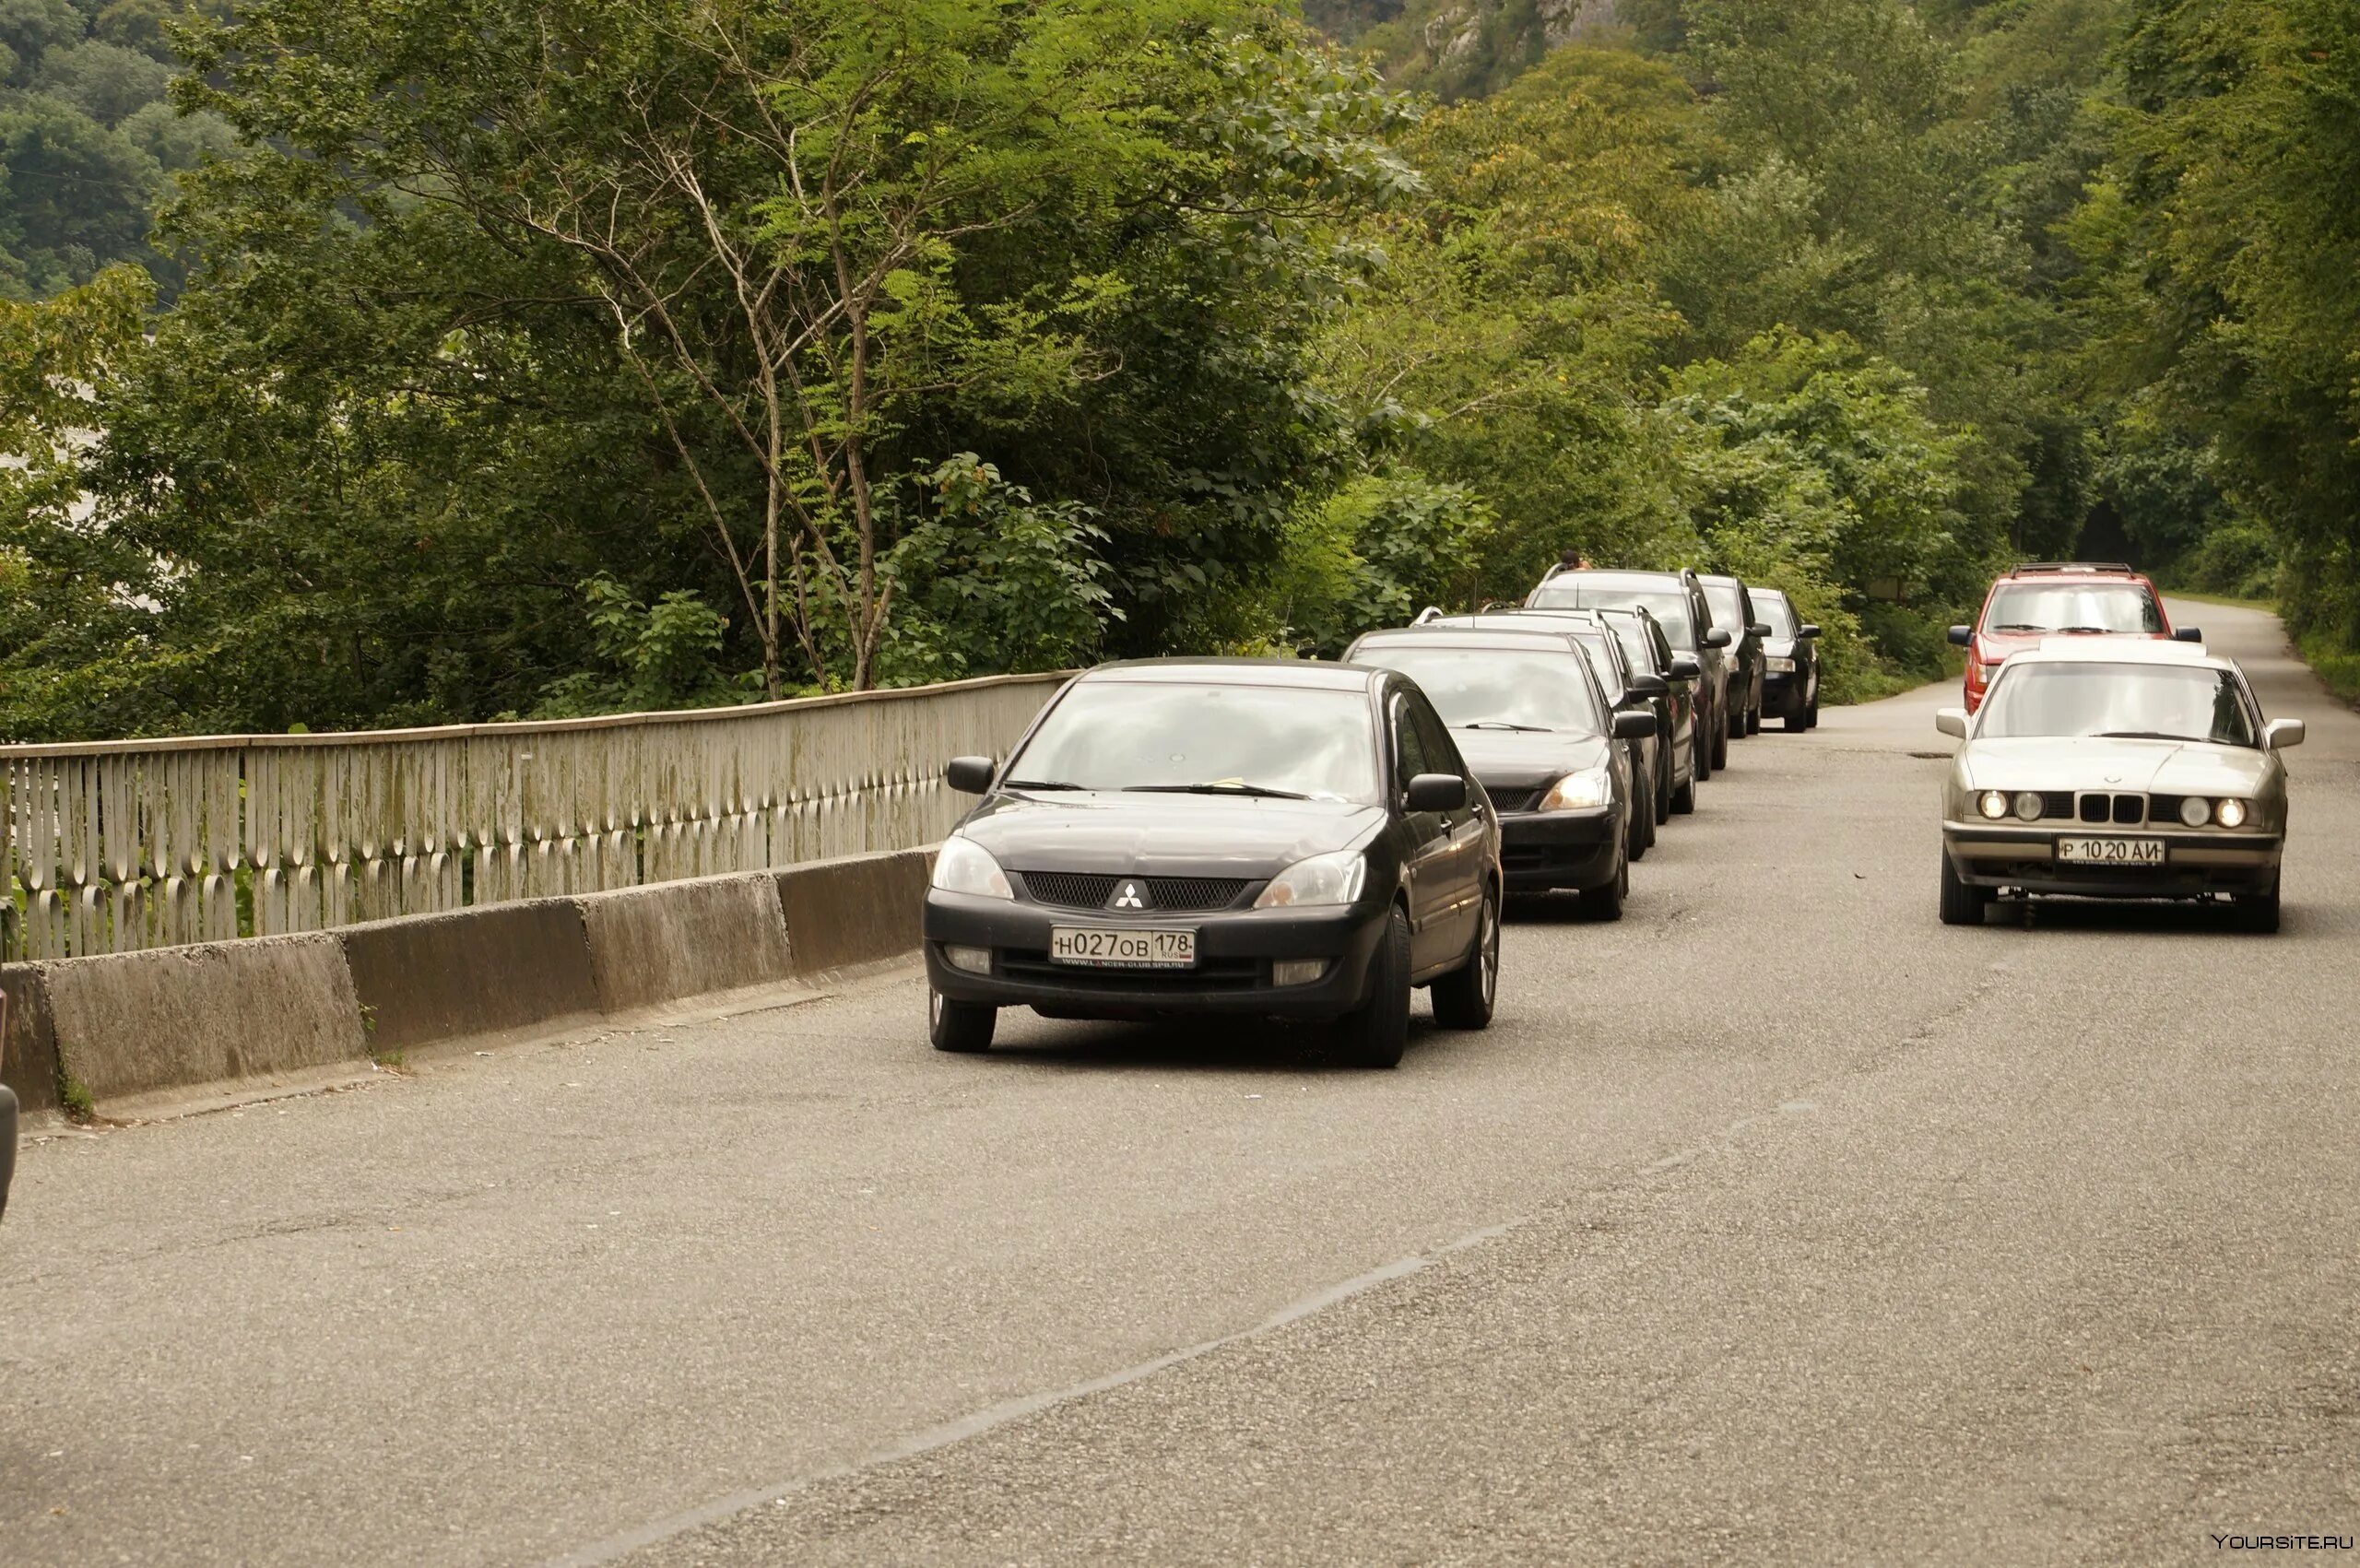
(2035, 568)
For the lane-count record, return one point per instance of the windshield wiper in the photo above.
(1503, 724)
(2139, 735)
(1041, 784)
(1261, 792)
(2097, 631)
(2019, 626)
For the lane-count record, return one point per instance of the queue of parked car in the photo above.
(1311, 841)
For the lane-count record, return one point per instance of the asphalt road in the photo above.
(1777, 1223)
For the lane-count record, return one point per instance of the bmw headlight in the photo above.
(1993, 803)
(1579, 792)
(2195, 811)
(1323, 880)
(965, 866)
(1779, 666)
(2029, 805)
(2233, 813)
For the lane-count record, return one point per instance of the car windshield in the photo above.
(1635, 646)
(1668, 605)
(2072, 607)
(2123, 700)
(1159, 734)
(1777, 614)
(1728, 610)
(1497, 687)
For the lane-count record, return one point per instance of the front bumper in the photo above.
(1785, 690)
(1544, 850)
(1234, 951)
(2023, 855)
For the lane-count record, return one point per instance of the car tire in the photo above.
(1753, 720)
(1604, 903)
(1703, 748)
(1737, 725)
(1720, 749)
(1634, 838)
(1683, 798)
(1375, 1033)
(1962, 904)
(963, 1027)
(2259, 913)
(1663, 787)
(1797, 719)
(1463, 997)
(1811, 713)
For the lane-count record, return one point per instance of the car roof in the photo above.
(2116, 576)
(1765, 593)
(1720, 580)
(2121, 649)
(2115, 569)
(1468, 637)
(1616, 578)
(1311, 674)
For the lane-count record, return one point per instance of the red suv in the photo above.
(2061, 599)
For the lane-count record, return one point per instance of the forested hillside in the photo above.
(557, 356)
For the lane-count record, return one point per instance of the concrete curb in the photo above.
(194, 1027)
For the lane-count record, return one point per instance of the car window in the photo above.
(1635, 646)
(2131, 701)
(1727, 602)
(1442, 756)
(1410, 757)
(1777, 614)
(1496, 688)
(1602, 662)
(1669, 606)
(2072, 607)
(1116, 735)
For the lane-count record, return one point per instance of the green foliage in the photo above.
(1376, 553)
(651, 657)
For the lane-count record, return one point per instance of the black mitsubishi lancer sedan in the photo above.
(1255, 837)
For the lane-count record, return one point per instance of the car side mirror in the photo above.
(1718, 638)
(1759, 629)
(2283, 733)
(1636, 725)
(1962, 636)
(1951, 722)
(1806, 632)
(970, 775)
(1650, 686)
(1686, 667)
(1437, 791)
(2188, 634)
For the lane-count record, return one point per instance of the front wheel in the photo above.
(1703, 747)
(1463, 998)
(1375, 1033)
(1605, 902)
(1754, 719)
(963, 1027)
(1720, 749)
(1683, 798)
(1962, 904)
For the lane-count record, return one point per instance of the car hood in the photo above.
(1779, 647)
(1993, 646)
(1165, 835)
(2167, 766)
(1504, 759)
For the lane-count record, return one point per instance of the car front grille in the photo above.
(2121, 811)
(1169, 895)
(1516, 799)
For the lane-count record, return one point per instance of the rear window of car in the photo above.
(1118, 734)
(1497, 687)
(2124, 702)
(2072, 607)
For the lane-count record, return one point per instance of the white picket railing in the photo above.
(116, 845)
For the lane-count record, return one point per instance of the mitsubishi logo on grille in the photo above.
(1130, 895)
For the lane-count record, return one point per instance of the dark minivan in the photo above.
(1255, 837)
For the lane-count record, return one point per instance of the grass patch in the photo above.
(2338, 665)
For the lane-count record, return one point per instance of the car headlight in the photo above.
(2233, 813)
(2196, 811)
(2029, 805)
(1993, 803)
(1781, 667)
(1322, 880)
(1579, 792)
(965, 866)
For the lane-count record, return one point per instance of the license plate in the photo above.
(1103, 949)
(2111, 851)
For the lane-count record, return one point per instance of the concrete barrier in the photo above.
(139, 1031)
(675, 940)
(268, 1011)
(494, 970)
(28, 1047)
(859, 910)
